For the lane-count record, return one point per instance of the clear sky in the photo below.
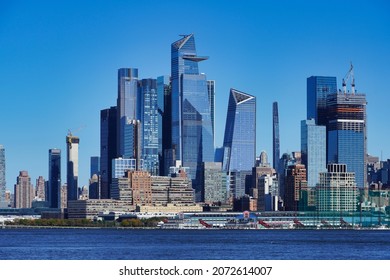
(59, 61)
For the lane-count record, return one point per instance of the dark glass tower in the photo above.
(318, 88)
(108, 147)
(275, 137)
(192, 132)
(54, 188)
(240, 132)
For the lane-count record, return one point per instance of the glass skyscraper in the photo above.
(318, 88)
(347, 133)
(2, 177)
(54, 188)
(275, 137)
(240, 132)
(149, 117)
(211, 94)
(313, 148)
(192, 132)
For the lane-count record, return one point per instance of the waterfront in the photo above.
(114, 244)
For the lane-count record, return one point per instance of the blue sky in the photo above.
(59, 61)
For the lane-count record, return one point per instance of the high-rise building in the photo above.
(337, 189)
(95, 166)
(268, 192)
(127, 105)
(54, 184)
(318, 88)
(108, 148)
(347, 139)
(295, 185)
(23, 191)
(94, 187)
(192, 134)
(149, 117)
(72, 171)
(240, 132)
(214, 183)
(40, 189)
(275, 136)
(313, 148)
(164, 123)
(211, 95)
(3, 203)
(133, 140)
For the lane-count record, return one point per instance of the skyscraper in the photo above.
(149, 117)
(240, 132)
(347, 133)
(108, 147)
(214, 183)
(211, 94)
(318, 88)
(313, 148)
(275, 136)
(192, 133)
(95, 166)
(54, 184)
(23, 191)
(296, 183)
(126, 103)
(40, 189)
(133, 141)
(72, 172)
(3, 203)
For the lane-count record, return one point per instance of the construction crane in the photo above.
(348, 76)
(70, 135)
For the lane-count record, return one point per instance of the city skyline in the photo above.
(70, 58)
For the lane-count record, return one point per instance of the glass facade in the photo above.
(149, 116)
(318, 88)
(2, 177)
(313, 148)
(95, 166)
(240, 132)
(54, 189)
(275, 136)
(211, 94)
(347, 133)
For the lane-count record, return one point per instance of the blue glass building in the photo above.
(240, 132)
(318, 87)
(54, 187)
(275, 137)
(313, 148)
(192, 134)
(95, 166)
(347, 133)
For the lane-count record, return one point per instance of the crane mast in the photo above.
(348, 76)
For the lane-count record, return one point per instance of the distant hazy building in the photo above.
(295, 184)
(23, 191)
(40, 189)
(214, 183)
(64, 196)
(94, 187)
(3, 202)
(108, 147)
(72, 171)
(313, 148)
(95, 166)
(54, 183)
(337, 189)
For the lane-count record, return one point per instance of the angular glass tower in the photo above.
(240, 132)
(313, 148)
(318, 88)
(54, 189)
(347, 133)
(192, 133)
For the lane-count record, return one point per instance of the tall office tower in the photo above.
(94, 187)
(337, 189)
(275, 136)
(95, 166)
(149, 117)
(72, 171)
(23, 191)
(214, 183)
(318, 88)
(347, 133)
(127, 105)
(240, 132)
(40, 189)
(3, 203)
(211, 95)
(133, 142)
(295, 185)
(268, 192)
(313, 148)
(164, 123)
(108, 148)
(192, 134)
(54, 185)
